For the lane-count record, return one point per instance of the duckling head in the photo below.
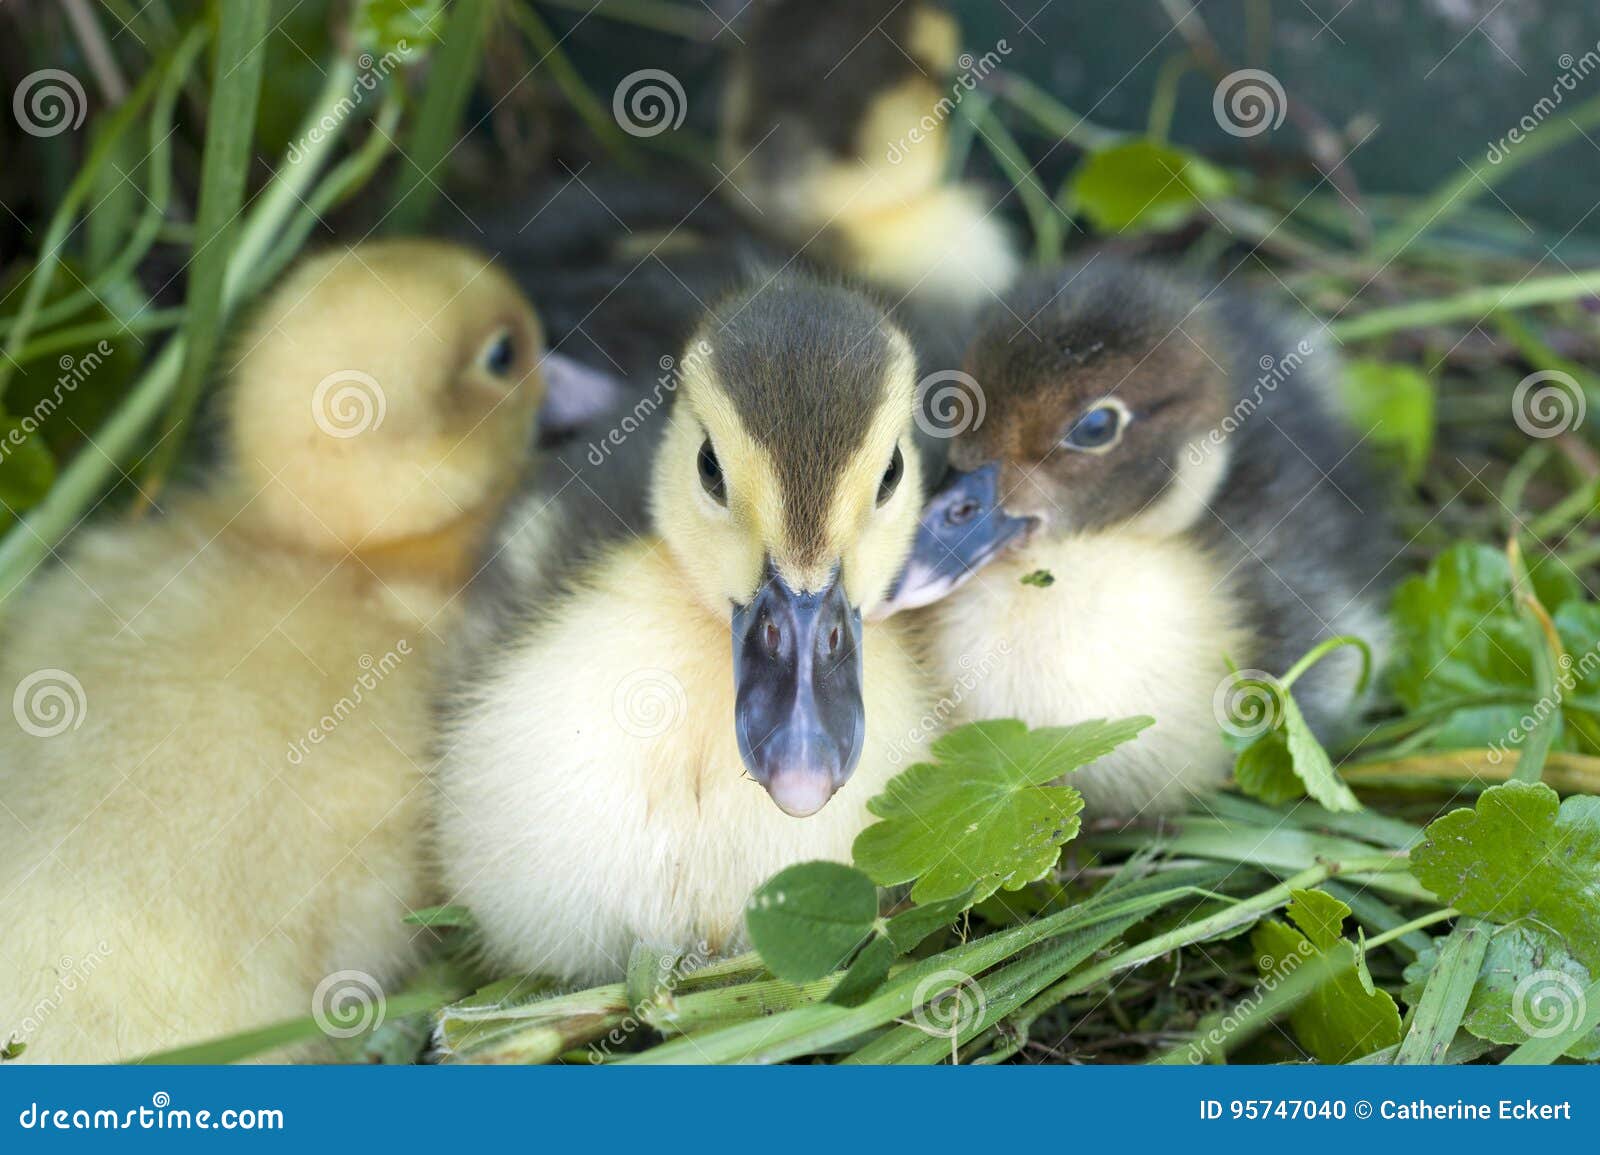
(383, 394)
(1101, 387)
(787, 489)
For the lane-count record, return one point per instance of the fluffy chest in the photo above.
(1127, 625)
(594, 795)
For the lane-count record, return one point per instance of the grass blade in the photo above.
(451, 74)
(230, 128)
(1444, 998)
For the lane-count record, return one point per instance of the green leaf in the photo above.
(1042, 578)
(1319, 916)
(984, 815)
(1459, 635)
(909, 928)
(1344, 1017)
(27, 470)
(1265, 770)
(1312, 764)
(1527, 982)
(1520, 854)
(1393, 403)
(1145, 186)
(808, 919)
(866, 973)
(1287, 762)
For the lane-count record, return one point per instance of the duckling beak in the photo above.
(798, 712)
(963, 529)
(575, 395)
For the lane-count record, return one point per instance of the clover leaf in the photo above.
(986, 813)
(1521, 854)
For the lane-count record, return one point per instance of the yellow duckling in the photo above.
(609, 776)
(211, 794)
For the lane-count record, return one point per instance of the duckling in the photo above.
(608, 775)
(835, 132)
(1195, 498)
(210, 790)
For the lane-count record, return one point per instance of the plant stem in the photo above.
(1322, 651)
(1474, 305)
(1568, 773)
(1429, 919)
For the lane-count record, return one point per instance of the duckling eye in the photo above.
(891, 476)
(500, 354)
(711, 473)
(1097, 430)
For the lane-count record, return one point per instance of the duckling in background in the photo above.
(212, 790)
(596, 788)
(1194, 495)
(835, 131)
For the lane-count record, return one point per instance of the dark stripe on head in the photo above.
(804, 365)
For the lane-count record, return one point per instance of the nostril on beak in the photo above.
(773, 637)
(962, 512)
(833, 641)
